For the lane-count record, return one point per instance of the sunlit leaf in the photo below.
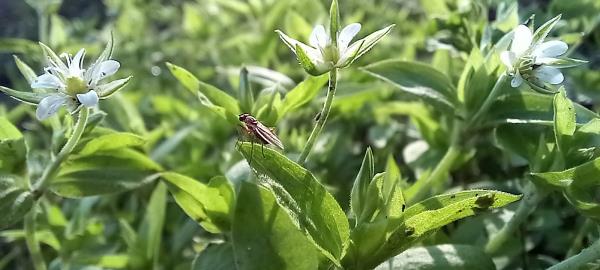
(312, 208)
(265, 237)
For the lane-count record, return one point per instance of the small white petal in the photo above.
(550, 49)
(76, 64)
(47, 81)
(89, 99)
(550, 75)
(521, 40)
(105, 69)
(346, 35)
(318, 37)
(50, 105)
(517, 80)
(508, 59)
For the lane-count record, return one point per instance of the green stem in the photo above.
(586, 256)
(531, 199)
(32, 242)
(489, 100)
(322, 117)
(587, 225)
(52, 168)
(440, 172)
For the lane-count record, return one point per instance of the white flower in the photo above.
(534, 60)
(70, 85)
(322, 55)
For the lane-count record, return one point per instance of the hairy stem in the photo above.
(322, 117)
(32, 243)
(531, 199)
(489, 100)
(52, 168)
(588, 255)
(441, 170)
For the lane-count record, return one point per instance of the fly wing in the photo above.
(267, 135)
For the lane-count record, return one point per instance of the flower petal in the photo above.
(550, 49)
(362, 46)
(346, 35)
(550, 75)
(76, 64)
(517, 80)
(105, 69)
(50, 105)
(318, 37)
(47, 81)
(89, 99)
(521, 40)
(312, 60)
(508, 58)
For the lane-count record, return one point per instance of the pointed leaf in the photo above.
(214, 94)
(15, 201)
(23, 96)
(564, 120)
(313, 208)
(265, 237)
(104, 173)
(209, 205)
(361, 184)
(417, 79)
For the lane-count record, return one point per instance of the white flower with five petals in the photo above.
(535, 61)
(321, 54)
(69, 84)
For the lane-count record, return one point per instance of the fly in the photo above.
(259, 131)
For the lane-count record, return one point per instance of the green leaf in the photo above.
(542, 32)
(524, 107)
(212, 93)
(15, 201)
(303, 93)
(104, 173)
(431, 214)
(584, 176)
(25, 70)
(246, 95)
(265, 237)
(152, 226)
(313, 209)
(417, 79)
(23, 96)
(215, 257)
(112, 141)
(12, 147)
(209, 205)
(440, 257)
(566, 62)
(361, 184)
(564, 120)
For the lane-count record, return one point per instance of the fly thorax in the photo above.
(75, 85)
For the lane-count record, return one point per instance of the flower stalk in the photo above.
(322, 117)
(533, 196)
(588, 255)
(489, 100)
(51, 170)
(441, 170)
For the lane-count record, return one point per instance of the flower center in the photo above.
(76, 85)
